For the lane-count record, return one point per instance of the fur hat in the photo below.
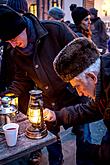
(93, 11)
(21, 6)
(78, 13)
(56, 13)
(75, 58)
(11, 23)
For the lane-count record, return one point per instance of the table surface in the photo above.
(24, 145)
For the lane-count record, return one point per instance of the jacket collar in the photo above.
(39, 28)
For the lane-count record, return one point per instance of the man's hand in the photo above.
(49, 115)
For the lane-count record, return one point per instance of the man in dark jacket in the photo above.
(34, 47)
(99, 32)
(89, 73)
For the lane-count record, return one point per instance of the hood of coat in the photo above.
(39, 28)
(35, 31)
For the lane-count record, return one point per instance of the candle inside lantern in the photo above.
(34, 116)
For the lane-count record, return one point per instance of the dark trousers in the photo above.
(82, 134)
(55, 153)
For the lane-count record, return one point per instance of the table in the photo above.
(24, 145)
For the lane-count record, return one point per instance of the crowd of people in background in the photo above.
(95, 28)
(25, 38)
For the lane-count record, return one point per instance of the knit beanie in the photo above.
(75, 57)
(56, 13)
(78, 13)
(11, 23)
(20, 6)
(93, 11)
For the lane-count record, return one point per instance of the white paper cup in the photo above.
(11, 133)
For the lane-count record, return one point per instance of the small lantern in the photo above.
(37, 129)
(14, 99)
(8, 111)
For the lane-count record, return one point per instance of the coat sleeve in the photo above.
(78, 114)
(20, 85)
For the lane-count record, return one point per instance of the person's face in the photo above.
(20, 40)
(92, 16)
(86, 22)
(50, 18)
(53, 19)
(85, 85)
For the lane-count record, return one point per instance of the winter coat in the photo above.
(93, 111)
(99, 34)
(7, 67)
(38, 70)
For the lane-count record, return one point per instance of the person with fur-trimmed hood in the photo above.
(81, 64)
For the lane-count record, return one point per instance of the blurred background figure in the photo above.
(99, 33)
(21, 6)
(56, 14)
(81, 18)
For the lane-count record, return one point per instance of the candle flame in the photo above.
(34, 116)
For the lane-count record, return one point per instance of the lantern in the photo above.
(37, 129)
(8, 111)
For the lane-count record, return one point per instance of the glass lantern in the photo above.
(8, 111)
(37, 129)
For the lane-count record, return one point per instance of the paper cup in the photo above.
(11, 133)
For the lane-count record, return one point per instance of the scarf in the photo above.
(31, 35)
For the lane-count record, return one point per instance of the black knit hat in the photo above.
(75, 58)
(78, 13)
(11, 23)
(20, 6)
